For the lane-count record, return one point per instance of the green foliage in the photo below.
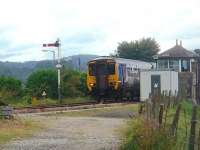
(9, 88)
(42, 80)
(145, 134)
(143, 49)
(73, 83)
(83, 86)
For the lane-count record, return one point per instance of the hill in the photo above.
(22, 70)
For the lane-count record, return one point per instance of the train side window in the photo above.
(92, 69)
(111, 68)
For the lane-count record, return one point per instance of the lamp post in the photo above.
(54, 54)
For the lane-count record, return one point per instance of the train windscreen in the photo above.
(92, 69)
(101, 69)
(111, 68)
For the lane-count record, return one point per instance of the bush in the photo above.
(10, 88)
(73, 83)
(42, 80)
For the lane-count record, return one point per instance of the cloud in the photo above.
(92, 26)
(6, 56)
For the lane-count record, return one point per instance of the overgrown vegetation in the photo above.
(73, 86)
(73, 83)
(147, 134)
(28, 101)
(42, 80)
(9, 88)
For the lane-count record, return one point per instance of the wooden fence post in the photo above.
(161, 114)
(191, 144)
(166, 108)
(153, 106)
(166, 113)
(141, 109)
(168, 101)
(175, 98)
(147, 108)
(175, 121)
(185, 120)
(162, 99)
(199, 140)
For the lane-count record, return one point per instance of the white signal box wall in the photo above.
(162, 80)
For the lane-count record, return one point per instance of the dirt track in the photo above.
(72, 133)
(94, 129)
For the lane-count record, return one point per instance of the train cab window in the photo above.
(111, 68)
(92, 69)
(102, 69)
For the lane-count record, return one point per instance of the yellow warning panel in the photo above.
(34, 101)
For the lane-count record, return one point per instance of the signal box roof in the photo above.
(178, 51)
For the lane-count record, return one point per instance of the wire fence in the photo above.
(169, 113)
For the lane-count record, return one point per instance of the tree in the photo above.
(142, 49)
(42, 80)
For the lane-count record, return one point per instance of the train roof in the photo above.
(121, 60)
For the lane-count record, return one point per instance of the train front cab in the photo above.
(102, 78)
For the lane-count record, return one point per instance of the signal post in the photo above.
(58, 66)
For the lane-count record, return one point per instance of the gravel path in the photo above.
(73, 133)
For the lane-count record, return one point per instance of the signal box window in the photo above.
(185, 66)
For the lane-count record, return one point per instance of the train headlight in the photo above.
(91, 84)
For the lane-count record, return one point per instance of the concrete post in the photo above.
(180, 65)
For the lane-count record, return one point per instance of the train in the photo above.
(116, 78)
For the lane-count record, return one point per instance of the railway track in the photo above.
(64, 107)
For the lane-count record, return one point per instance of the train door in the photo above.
(101, 76)
(122, 73)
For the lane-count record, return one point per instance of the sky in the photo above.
(93, 26)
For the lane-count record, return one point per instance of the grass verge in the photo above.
(47, 101)
(142, 134)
